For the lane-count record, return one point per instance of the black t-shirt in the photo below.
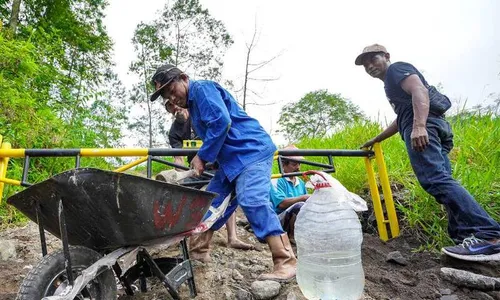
(181, 131)
(401, 101)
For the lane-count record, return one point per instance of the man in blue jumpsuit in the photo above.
(244, 152)
(421, 123)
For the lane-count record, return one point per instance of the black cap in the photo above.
(163, 76)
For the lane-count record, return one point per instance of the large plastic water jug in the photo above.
(328, 236)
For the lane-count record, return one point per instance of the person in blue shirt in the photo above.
(181, 130)
(288, 194)
(428, 138)
(244, 152)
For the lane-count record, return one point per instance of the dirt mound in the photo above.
(231, 273)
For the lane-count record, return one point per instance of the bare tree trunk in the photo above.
(14, 16)
(178, 44)
(252, 67)
(246, 80)
(150, 117)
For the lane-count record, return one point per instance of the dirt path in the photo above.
(232, 271)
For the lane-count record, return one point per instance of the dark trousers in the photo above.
(433, 170)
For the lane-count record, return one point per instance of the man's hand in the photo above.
(369, 144)
(419, 138)
(305, 197)
(198, 165)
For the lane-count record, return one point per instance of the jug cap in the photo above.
(317, 185)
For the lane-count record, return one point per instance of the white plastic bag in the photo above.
(356, 202)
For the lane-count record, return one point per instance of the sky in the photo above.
(454, 43)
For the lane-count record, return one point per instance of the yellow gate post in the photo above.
(3, 166)
(386, 190)
(392, 218)
(377, 203)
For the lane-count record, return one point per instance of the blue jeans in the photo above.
(252, 188)
(433, 170)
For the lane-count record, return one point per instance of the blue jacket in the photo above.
(229, 135)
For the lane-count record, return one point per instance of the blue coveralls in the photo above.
(243, 150)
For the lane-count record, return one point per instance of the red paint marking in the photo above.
(167, 217)
(195, 210)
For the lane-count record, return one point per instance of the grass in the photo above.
(475, 161)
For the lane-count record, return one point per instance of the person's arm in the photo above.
(420, 102)
(287, 202)
(387, 133)
(215, 116)
(278, 195)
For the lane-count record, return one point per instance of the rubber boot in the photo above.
(285, 263)
(199, 246)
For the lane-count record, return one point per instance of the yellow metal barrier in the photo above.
(383, 219)
(4, 161)
(131, 165)
(390, 209)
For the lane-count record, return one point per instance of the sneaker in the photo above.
(474, 249)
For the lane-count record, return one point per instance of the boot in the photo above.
(199, 246)
(285, 263)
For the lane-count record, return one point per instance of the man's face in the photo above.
(291, 167)
(180, 114)
(176, 92)
(376, 64)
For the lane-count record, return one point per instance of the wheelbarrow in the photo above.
(105, 219)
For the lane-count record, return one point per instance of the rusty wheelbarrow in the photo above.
(103, 218)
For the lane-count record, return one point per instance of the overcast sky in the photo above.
(455, 43)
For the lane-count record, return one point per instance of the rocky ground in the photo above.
(232, 274)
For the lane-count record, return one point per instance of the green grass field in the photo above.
(475, 162)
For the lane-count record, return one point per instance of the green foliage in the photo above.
(56, 87)
(317, 114)
(475, 161)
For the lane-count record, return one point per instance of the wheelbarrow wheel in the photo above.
(49, 278)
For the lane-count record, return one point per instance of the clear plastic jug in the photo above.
(328, 236)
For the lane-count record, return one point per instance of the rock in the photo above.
(242, 222)
(237, 275)
(482, 296)
(7, 250)
(396, 257)
(241, 266)
(291, 296)
(449, 297)
(445, 292)
(258, 269)
(265, 289)
(470, 280)
(243, 295)
(228, 294)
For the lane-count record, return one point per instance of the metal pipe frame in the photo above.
(150, 155)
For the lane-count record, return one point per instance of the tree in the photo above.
(252, 67)
(317, 114)
(185, 35)
(148, 125)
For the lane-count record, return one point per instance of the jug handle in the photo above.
(317, 185)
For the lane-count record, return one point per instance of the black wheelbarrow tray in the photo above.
(102, 216)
